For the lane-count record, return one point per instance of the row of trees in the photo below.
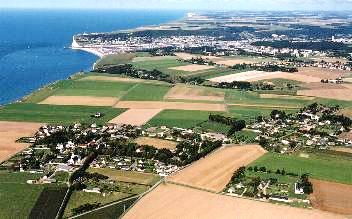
(266, 67)
(236, 125)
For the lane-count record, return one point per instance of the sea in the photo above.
(35, 43)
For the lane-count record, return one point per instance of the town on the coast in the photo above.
(232, 113)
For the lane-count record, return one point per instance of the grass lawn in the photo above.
(319, 165)
(79, 198)
(127, 176)
(92, 88)
(179, 118)
(52, 114)
(115, 59)
(147, 92)
(17, 198)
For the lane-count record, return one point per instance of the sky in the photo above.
(310, 5)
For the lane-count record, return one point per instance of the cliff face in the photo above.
(74, 43)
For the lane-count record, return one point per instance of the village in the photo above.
(59, 150)
(316, 126)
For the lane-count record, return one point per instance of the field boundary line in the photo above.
(264, 106)
(129, 90)
(142, 195)
(105, 206)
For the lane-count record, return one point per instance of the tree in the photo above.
(236, 127)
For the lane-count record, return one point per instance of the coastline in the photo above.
(91, 50)
(99, 51)
(94, 51)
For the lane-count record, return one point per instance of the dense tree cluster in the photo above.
(265, 67)
(129, 70)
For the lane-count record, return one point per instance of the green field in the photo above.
(92, 88)
(52, 114)
(162, 65)
(127, 176)
(110, 212)
(319, 165)
(147, 92)
(17, 198)
(215, 127)
(115, 59)
(249, 113)
(131, 183)
(179, 118)
(251, 97)
(79, 198)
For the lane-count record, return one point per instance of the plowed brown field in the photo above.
(170, 201)
(12, 131)
(333, 197)
(215, 171)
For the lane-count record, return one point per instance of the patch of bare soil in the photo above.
(135, 117)
(170, 201)
(215, 171)
(333, 197)
(181, 92)
(12, 131)
(156, 142)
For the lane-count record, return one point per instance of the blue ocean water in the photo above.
(34, 44)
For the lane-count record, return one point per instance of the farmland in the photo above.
(79, 198)
(10, 132)
(322, 166)
(17, 197)
(128, 183)
(214, 172)
(179, 118)
(92, 88)
(115, 59)
(147, 92)
(52, 114)
(80, 100)
(135, 116)
(182, 92)
(174, 201)
(333, 197)
(158, 143)
(48, 202)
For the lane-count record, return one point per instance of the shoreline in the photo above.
(76, 46)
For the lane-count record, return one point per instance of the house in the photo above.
(64, 168)
(298, 190)
(93, 190)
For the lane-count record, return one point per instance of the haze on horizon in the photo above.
(256, 5)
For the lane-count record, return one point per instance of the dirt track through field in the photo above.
(263, 106)
(135, 117)
(170, 201)
(170, 105)
(12, 131)
(215, 171)
(80, 100)
(333, 197)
